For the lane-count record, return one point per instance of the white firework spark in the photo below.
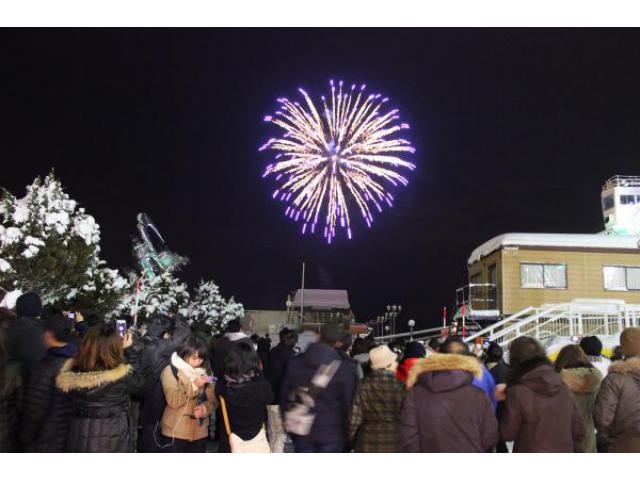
(349, 148)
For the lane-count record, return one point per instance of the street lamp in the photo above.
(411, 323)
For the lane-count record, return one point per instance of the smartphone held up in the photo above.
(121, 327)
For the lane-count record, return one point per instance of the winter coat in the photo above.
(333, 403)
(540, 413)
(182, 398)
(277, 361)
(584, 384)
(375, 414)
(405, 367)
(100, 420)
(443, 411)
(617, 410)
(47, 410)
(11, 401)
(486, 383)
(246, 404)
(24, 341)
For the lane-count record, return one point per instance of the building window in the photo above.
(493, 274)
(627, 199)
(607, 202)
(477, 278)
(621, 278)
(542, 275)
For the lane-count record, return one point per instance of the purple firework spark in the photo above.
(351, 147)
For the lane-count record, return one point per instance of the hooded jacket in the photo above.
(617, 410)
(46, 409)
(100, 420)
(540, 414)
(584, 384)
(333, 403)
(443, 411)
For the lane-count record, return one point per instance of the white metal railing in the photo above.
(577, 318)
(417, 334)
(622, 181)
(492, 329)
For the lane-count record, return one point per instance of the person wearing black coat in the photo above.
(158, 344)
(100, 383)
(47, 410)
(278, 359)
(333, 403)
(24, 334)
(246, 393)
(11, 398)
(223, 346)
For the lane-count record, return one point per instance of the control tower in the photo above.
(621, 205)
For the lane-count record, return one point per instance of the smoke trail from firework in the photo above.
(344, 155)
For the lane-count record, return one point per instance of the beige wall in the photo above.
(267, 321)
(584, 275)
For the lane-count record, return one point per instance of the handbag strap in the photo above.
(225, 417)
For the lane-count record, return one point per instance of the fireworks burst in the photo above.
(348, 149)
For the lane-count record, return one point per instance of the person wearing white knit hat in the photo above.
(375, 415)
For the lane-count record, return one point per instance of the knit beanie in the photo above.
(592, 346)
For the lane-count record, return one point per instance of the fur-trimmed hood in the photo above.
(630, 366)
(581, 380)
(456, 371)
(68, 379)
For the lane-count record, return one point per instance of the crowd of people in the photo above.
(74, 383)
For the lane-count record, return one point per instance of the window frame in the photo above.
(543, 265)
(626, 285)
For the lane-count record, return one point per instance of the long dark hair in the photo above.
(101, 349)
(572, 356)
(241, 362)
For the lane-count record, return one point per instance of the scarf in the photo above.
(190, 372)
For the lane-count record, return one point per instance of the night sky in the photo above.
(516, 130)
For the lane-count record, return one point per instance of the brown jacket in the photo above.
(182, 399)
(540, 413)
(375, 414)
(617, 411)
(443, 411)
(584, 384)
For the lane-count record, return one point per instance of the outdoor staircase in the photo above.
(550, 324)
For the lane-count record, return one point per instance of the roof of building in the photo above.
(564, 240)
(322, 298)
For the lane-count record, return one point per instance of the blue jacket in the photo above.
(488, 384)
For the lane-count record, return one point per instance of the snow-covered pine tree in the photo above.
(164, 294)
(50, 245)
(106, 294)
(210, 310)
(233, 310)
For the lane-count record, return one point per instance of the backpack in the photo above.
(299, 416)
